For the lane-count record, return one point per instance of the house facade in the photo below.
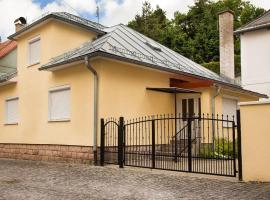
(71, 72)
(255, 71)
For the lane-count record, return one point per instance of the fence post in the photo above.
(175, 138)
(239, 145)
(120, 142)
(153, 144)
(189, 145)
(102, 141)
(234, 152)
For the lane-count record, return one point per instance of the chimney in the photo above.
(19, 23)
(226, 44)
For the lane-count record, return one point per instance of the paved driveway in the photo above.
(41, 180)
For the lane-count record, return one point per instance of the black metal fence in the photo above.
(201, 144)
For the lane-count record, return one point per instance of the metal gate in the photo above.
(200, 144)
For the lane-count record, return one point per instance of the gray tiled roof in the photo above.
(66, 17)
(79, 20)
(261, 22)
(123, 42)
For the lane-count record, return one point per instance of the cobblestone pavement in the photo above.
(40, 180)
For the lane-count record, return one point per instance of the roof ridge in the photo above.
(109, 34)
(67, 13)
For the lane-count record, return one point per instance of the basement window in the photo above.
(59, 104)
(34, 51)
(12, 110)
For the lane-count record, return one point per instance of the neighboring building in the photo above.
(255, 59)
(8, 61)
(70, 68)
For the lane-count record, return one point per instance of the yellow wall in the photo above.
(255, 141)
(122, 91)
(33, 85)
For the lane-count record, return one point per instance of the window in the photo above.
(229, 107)
(34, 51)
(184, 108)
(200, 107)
(12, 110)
(187, 108)
(59, 104)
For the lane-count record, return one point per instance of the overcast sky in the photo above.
(111, 11)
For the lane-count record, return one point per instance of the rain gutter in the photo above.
(95, 104)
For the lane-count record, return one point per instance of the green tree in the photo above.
(195, 34)
(152, 23)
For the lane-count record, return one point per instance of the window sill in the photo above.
(8, 124)
(31, 65)
(59, 120)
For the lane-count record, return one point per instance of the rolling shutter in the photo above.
(12, 111)
(34, 51)
(59, 104)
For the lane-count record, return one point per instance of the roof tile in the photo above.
(6, 47)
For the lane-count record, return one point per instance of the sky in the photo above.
(111, 11)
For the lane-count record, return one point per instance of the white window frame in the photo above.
(196, 98)
(6, 111)
(35, 39)
(55, 89)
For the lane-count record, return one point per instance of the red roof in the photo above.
(6, 47)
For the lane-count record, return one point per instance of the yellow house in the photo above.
(71, 72)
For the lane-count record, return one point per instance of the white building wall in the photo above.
(255, 61)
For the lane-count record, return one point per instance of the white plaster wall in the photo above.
(255, 61)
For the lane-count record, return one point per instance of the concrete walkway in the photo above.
(40, 180)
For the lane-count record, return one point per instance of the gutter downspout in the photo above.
(94, 72)
(217, 92)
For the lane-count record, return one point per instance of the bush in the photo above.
(223, 149)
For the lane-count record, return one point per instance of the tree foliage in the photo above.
(195, 34)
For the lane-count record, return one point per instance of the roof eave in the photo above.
(244, 30)
(7, 77)
(16, 34)
(108, 55)
(48, 67)
(240, 89)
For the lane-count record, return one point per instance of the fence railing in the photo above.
(199, 144)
